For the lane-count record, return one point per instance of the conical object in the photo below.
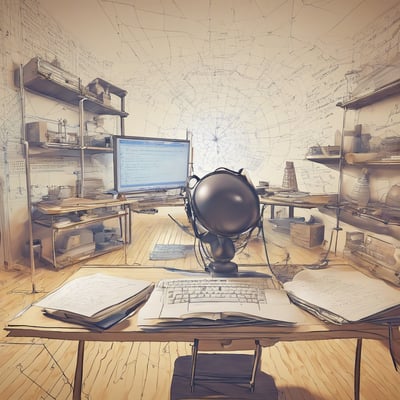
(289, 177)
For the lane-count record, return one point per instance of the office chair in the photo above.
(223, 208)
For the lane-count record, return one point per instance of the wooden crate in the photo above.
(307, 235)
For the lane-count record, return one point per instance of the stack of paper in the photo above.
(342, 294)
(96, 301)
(214, 301)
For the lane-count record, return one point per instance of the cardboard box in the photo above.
(307, 235)
(36, 132)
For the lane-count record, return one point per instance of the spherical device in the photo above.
(223, 207)
(225, 203)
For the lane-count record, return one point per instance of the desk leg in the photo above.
(357, 370)
(272, 215)
(195, 350)
(79, 371)
(256, 363)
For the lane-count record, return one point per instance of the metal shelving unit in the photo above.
(45, 79)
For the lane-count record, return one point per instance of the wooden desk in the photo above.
(292, 202)
(55, 221)
(32, 323)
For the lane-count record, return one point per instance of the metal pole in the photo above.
(82, 151)
(340, 181)
(28, 179)
(357, 369)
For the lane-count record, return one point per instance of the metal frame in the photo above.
(250, 379)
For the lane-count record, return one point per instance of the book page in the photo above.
(344, 291)
(92, 294)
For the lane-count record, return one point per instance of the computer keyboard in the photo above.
(212, 290)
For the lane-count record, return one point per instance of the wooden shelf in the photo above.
(60, 150)
(351, 159)
(374, 96)
(377, 163)
(60, 219)
(43, 78)
(330, 161)
(365, 221)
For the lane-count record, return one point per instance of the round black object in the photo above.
(225, 203)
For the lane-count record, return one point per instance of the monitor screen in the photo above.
(143, 164)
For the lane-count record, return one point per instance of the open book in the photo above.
(212, 301)
(96, 301)
(342, 294)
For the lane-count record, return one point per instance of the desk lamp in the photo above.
(223, 209)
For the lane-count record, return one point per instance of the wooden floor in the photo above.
(44, 369)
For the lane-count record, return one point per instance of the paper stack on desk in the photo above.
(342, 295)
(213, 301)
(96, 301)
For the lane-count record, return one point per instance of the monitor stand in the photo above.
(218, 268)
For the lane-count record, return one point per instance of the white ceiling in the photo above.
(133, 28)
(263, 72)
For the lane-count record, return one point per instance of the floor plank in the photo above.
(44, 369)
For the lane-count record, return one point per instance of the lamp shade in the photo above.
(225, 203)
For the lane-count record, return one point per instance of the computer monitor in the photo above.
(148, 164)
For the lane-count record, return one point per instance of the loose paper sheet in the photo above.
(344, 291)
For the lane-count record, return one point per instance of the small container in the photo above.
(53, 192)
(360, 193)
(391, 144)
(66, 192)
(393, 197)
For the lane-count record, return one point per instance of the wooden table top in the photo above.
(32, 323)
